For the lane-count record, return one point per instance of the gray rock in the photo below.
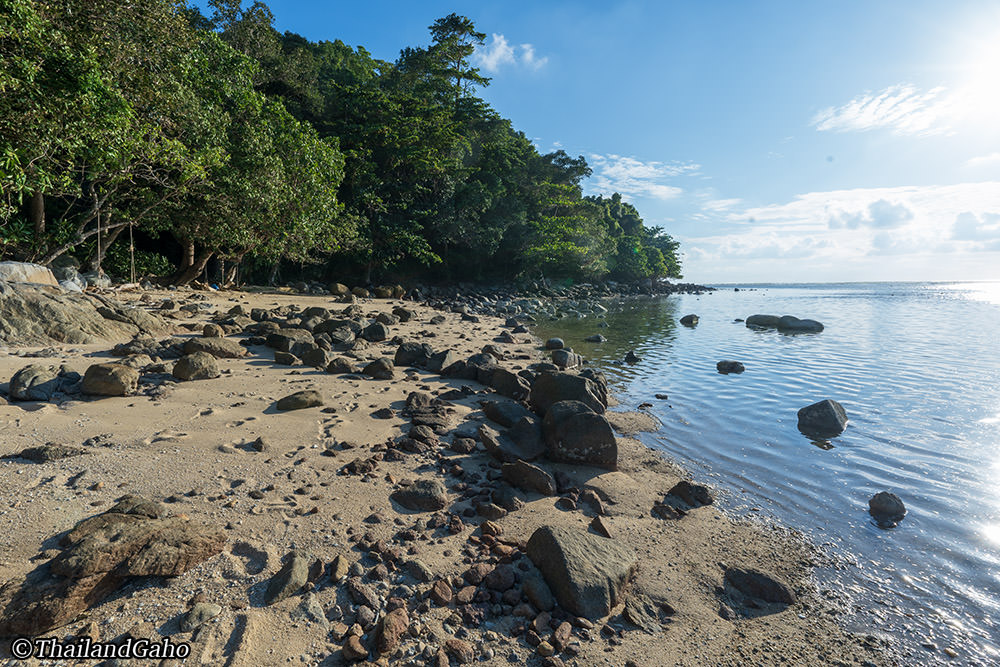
(643, 613)
(825, 419)
(199, 614)
(575, 434)
(549, 388)
(308, 398)
(375, 332)
(317, 358)
(595, 338)
(758, 585)
(110, 380)
(223, 348)
(529, 477)
(509, 384)
(340, 366)
(587, 573)
(290, 579)
(284, 338)
(424, 495)
(566, 359)
(791, 324)
(310, 611)
(285, 358)
(554, 344)
(505, 413)
(50, 452)
(887, 508)
(504, 448)
(726, 367)
(690, 320)
(441, 360)
(197, 366)
(380, 369)
(413, 354)
(763, 321)
(538, 593)
(37, 382)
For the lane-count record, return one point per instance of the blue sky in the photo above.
(779, 141)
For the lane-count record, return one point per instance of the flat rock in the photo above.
(132, 539)
(199, 614)
(587, 573)
(759, 585)
(506, 449)
(221, 348)
(424, 495)
(290, 579)
(528, 477)
(308, 398)
(643, 613)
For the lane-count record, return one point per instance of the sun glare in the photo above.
(977, 94)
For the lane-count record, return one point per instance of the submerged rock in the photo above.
(727, 367)
(886, 508)
(690, 320)
(825, 419)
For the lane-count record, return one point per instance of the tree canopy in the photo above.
(233, 141)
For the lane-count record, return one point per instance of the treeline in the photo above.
(223, 139)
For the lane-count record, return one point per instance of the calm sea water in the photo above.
(917, 368)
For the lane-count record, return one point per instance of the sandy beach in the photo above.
(408, 586)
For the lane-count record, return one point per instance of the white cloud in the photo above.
(721, 204)
(495, 53)
(840, 226)
(904, 109)
(991, 160)
(498, 52)
(631, 176)
(529, 58)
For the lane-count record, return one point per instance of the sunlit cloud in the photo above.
(980, 161)
(498, 52)
(844, 225)
(633, 177)
(903, 109)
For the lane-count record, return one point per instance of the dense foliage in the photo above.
(230, 141)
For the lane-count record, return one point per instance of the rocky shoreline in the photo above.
(291, 478)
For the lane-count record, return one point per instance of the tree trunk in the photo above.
(192, 264)
(230, 276)
(273, 278)
(107, 238)
(36, 212)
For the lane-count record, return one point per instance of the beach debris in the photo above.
(887, 508)
(825, 419)
(726, 367)
(586, 573)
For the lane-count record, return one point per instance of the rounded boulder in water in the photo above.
(886, 508)
(825, 419)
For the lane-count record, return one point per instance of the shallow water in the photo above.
(917, 369)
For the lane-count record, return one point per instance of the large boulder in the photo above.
(510, 384)
(825, 419)
(413, 354)
(576, 434)
(528, 477)
(790, 324)
(763, 321)
(24, 272)
(549, 388)
(506, 449)
(283, 339)
(505, 413)
(196, 366)
(38, 382)
(587, 573)
(110, 380)
(135, 538)
(32, 314)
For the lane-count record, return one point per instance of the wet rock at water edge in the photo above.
(726, 367)
(690, 320)
(595, 338)
(886, 508)
(759, 585)
(825, 419)
(632, 358)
